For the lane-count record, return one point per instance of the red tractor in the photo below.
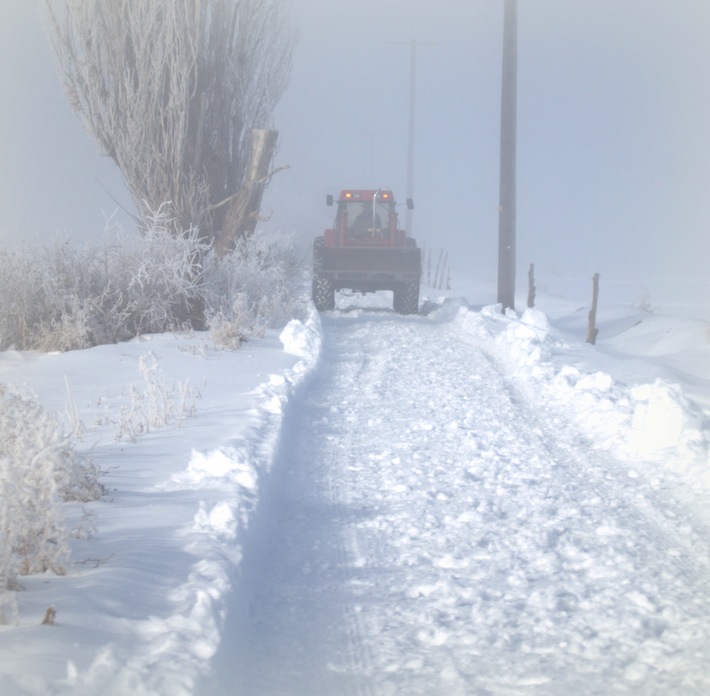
(365, 251)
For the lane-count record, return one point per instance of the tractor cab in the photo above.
(364, 218)
(365, 251)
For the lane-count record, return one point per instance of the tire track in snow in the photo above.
(304, 633)
(441, 537)
(658, 511)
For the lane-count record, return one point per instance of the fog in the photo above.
(613, 169)
(52, 177)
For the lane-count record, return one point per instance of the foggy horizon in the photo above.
(613, 145)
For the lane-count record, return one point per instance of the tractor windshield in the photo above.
(363, 219)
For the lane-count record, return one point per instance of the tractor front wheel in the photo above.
(406, 298)
(323, 293)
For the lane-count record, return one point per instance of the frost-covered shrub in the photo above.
(21, 297)
(61, 298)
(71, 330)
(38, 471)
(146, 283)
(8, 605)
(258, 286)
(231, 325)
(49, 296)
(165, 286)
(66, 285)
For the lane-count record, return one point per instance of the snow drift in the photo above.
(653, 423)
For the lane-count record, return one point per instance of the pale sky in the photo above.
(52, 178)
(613, 136)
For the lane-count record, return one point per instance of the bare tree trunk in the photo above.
(243, 208)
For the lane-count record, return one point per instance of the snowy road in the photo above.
(438, 534)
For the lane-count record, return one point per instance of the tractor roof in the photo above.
(365, 194)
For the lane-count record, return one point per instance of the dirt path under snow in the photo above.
(435, 535)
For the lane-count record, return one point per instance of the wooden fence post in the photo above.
(592, 331)
(531, 286)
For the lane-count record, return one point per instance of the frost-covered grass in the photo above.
(153, 404)
(59, 297)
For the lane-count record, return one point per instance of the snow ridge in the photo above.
(655, 424)
(175, 649)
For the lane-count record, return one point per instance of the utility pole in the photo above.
(413, 44)
(506, 210)
(410, 138)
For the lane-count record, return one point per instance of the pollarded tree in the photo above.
(180, 94)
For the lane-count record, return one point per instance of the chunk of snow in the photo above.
(299, 339)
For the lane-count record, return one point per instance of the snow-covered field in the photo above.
(455, 502)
